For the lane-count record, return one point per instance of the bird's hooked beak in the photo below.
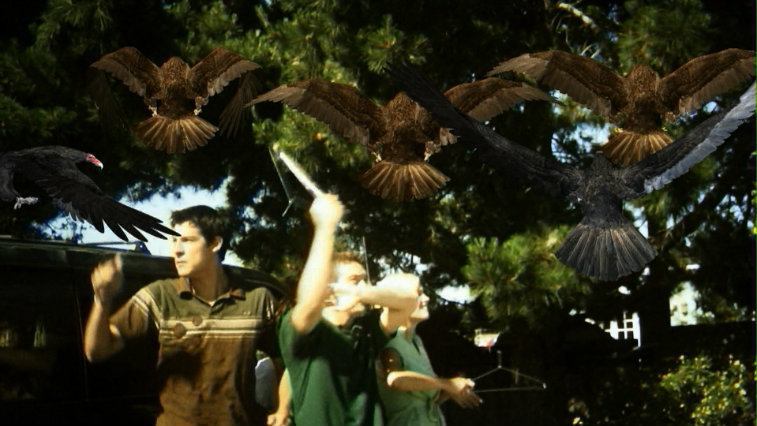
(92, 159)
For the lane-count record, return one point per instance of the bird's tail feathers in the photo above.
(403, 182)
(175, 136)
(606, 253)
(626, 147)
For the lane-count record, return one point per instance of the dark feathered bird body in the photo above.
(53, 169)
(175, 94)
(401, 171)
(604, 244)
(175, 125)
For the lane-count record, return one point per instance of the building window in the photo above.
(627, 328)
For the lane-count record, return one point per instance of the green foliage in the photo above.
(43, 122)
(207, 28)
(706, 393)
(306, 43)
(385, 43)
(24, 114)
(66, 19)
(520, 278)
(663, 35)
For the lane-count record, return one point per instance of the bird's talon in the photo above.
(21, 201)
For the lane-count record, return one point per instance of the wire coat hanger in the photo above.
(365, 261)
(535, 383)
(284, 182)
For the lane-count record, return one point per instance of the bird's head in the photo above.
(174, 66)
(642, 76)
(74, 155)
(92, 159)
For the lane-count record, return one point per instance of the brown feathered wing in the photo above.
(130, 66)
(347, 112)
(583, 79)
(134, 70)
(487, 98)
(703, 78)
(214, 72)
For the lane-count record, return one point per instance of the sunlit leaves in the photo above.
(520, 277)
(708, 393)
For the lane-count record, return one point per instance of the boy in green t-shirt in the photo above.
(329, 340)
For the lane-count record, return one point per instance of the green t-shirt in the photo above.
(332, 371)
(410, 408)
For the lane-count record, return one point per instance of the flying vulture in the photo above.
(641, 102)
(605, 244)
(400, 135)
(53, 168)
(176, 93)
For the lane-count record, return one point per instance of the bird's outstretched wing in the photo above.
(111, 115)
(234, 114)
(7, 191)
(519, 161)
(705, 77)
(659, 169)
(342, 107)
(209, 76)
(583, 79)
(214, 72)
(77, 194)
(487, 98)
(130, 66)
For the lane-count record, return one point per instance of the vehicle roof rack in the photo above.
(139, 246)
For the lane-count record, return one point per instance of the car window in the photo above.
(40, 343)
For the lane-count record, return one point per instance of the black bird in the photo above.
(605, 244)
(176, 93)
(53, 168)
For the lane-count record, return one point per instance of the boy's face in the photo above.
(191, 252)
(421, 308)
(348, 273)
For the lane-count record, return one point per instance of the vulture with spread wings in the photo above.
(400, 135)
(605, 244)
(641, 102)
(175, 94)
(53, 169)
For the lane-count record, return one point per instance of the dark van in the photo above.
(45, 297)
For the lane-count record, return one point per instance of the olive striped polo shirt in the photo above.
(207, 350)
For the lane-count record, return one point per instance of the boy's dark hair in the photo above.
(210, 223)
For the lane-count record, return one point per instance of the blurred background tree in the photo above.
(482, 230)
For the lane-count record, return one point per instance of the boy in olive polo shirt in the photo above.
(329, 349)
(209, 326)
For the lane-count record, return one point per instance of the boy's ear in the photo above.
(216, 244)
